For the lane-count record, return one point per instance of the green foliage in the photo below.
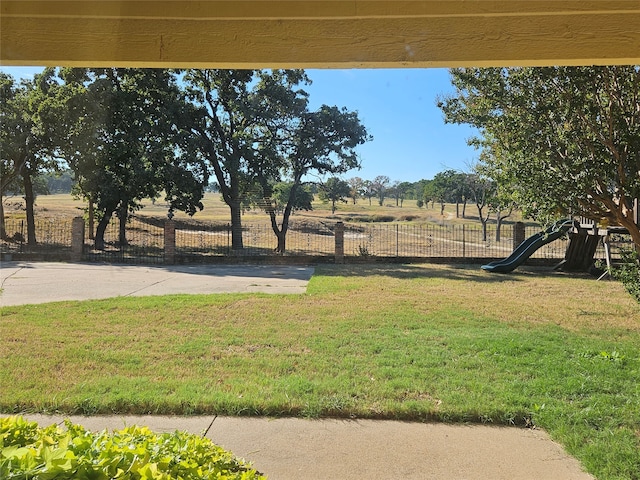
(282, 196)
(256, 130)
(629, 272)
(566, 140)
(379, 187)
(27, 140)
(30, 452)
(335, 190)
(123, 137)
(58, 182)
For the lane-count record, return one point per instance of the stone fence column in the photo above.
(518, 234)
(77, 239)
(169, 242)
(339, 239)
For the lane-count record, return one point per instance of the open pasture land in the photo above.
(418, 342)
(371, 231)
(215, 210)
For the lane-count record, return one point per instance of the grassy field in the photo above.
(215, 210)
(425, 343)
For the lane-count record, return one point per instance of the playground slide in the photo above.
(528, 247)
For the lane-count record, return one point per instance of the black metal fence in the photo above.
(439, 241)
(144, 243)
(258, 240)
(53, 238)
(205, 242)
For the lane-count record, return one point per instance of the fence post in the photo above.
(339, 239)
(77, 239)
(169, 242)
(518, 234)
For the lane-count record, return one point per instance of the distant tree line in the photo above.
(447, 187)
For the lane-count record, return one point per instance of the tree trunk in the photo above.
(101, 228)
(483, 222)
(30, 201)
(123, 215)
(281, 233)
(236, 224)
(333, 207)
(92, 215)
(499, 219)
(634, 230)
(457, 209)
(464, 209)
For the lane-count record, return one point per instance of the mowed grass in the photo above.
(419, 342)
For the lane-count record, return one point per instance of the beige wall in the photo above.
(344, 34)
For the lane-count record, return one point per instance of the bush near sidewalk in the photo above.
(28, 451)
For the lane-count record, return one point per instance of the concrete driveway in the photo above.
(35, 282)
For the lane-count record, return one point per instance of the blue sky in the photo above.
(398, 107)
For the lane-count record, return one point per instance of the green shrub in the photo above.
(30, 452)
(383, 218)
(363, 251)
(628, 272)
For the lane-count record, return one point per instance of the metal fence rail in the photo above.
(198, 243)
(53, 238)
(144, 243)
(258, 240)
(435, 241)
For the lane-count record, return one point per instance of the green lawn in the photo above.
(405, 342)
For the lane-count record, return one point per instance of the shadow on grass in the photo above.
(466, 272)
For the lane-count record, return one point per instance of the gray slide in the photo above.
(528, 247)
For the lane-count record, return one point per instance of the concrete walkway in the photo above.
(33, 282)
(296, 448)
(293, 449)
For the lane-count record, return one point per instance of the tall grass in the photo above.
(404, 342)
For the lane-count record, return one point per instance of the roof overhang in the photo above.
(319, 34)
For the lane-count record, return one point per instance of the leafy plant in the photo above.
(613, 356)
(363, 251)
(628, 272)
(28, 451)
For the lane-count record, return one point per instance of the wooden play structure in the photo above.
(586, 236)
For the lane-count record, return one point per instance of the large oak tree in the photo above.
(125, 141)
(27, 140)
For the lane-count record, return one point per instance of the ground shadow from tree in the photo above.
(466, 272)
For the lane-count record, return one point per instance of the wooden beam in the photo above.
(314, 34)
